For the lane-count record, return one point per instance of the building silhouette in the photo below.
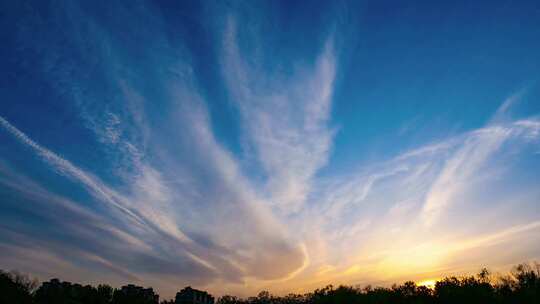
(131, 294)
(189, 295)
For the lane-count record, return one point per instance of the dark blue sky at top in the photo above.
(117, 90)
(433, 69)
(427, 69)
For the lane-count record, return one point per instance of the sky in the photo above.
(282, 145)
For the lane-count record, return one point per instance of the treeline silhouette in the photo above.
(521, 285)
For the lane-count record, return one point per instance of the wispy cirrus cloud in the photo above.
(286, 117)
(361, 226)
(162, 201)
(459, 170)
(477, 147)
(65, 167)
(175, 186)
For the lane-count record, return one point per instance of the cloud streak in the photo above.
(65, 167)
(459, 170)
(185, 217)
(158, 196)
(286, 118)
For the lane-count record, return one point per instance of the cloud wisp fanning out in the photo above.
(399, 216)
(185, 153)
(286, 118)
(178, 205)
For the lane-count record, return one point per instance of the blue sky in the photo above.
(240, 146)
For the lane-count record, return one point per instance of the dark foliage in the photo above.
(522, 285)
(16, 288)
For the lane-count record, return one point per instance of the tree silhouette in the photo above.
(16, 288)
(521, 285)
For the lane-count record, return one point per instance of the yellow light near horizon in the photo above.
(427, 283)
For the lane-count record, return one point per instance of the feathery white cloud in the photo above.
(286, 118)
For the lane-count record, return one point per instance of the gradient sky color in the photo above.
(282, 145)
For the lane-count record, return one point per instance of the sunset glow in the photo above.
(240, 146)
(427, 283)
